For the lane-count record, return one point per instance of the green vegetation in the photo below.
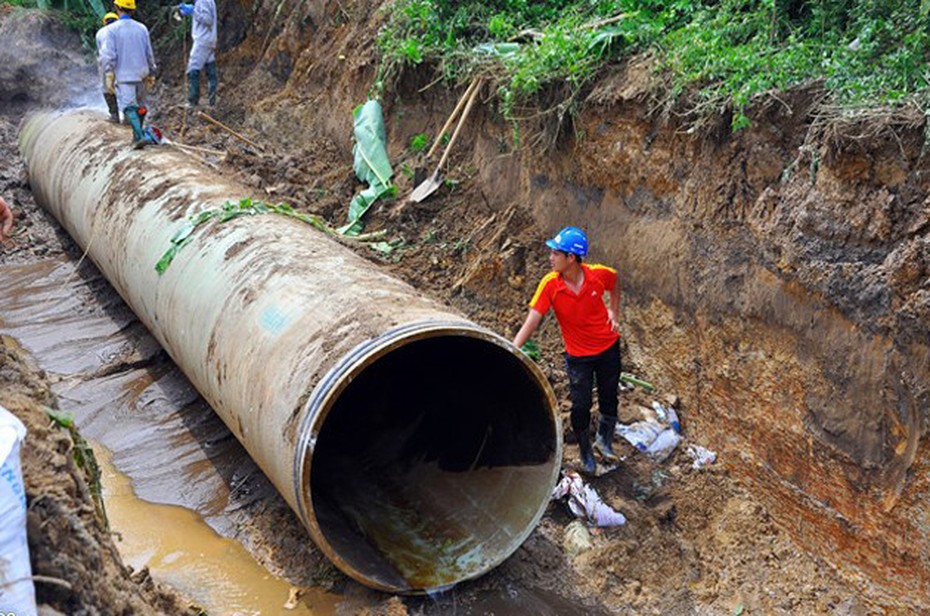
(710, 54)
(83, 16)
(247, 207)
(84, 458)
(419, 142)
(86, 17)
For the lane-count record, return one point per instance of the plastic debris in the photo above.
(702, 456)
(640, 434)
(585, 502)
(17, 592)
(652, 437)
(663, 445)
(668, 415)
(577, 539)
(630, 379)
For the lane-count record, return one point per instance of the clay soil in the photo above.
(696, 542)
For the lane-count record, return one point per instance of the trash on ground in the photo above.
(701, 456)
(640, 434)
(655, 439)
(585, 502)
(577, 539)
(626, 377)
(17, 591)
(664, 444)
(668, 415)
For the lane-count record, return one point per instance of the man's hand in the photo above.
(111, 83)
(186, 9)
(149, 82)
(6, 221)
(614, 321)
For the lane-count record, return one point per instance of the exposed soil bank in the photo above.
(779, 316)
(777, 279)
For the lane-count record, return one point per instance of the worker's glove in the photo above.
(149, 82)
(186, 9)
(111, 83)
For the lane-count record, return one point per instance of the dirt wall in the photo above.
(776, 278)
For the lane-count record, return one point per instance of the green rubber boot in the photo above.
(139, 140)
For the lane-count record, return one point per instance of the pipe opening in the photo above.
(434, 463)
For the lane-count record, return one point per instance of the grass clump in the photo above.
(713, 54)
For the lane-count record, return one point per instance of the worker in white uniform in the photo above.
(129, 65)
(101, 39)
(203, 51)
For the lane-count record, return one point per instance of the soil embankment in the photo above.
(775, 279)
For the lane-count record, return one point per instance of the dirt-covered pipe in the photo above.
(418, 449)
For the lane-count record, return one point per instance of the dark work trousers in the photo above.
(581, 374)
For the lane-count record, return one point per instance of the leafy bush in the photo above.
(720, 53)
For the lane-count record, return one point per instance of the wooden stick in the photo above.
(229, 130)
(195, 148)
(452, 116)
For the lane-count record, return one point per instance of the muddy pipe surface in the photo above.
(418, 448)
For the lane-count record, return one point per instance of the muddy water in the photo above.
(192, 483)
(180, 549)
(128, 397)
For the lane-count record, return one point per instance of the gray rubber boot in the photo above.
(605, 437)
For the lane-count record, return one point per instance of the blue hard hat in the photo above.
(570, 239)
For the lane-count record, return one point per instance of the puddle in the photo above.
(216, 573)
(181, 490)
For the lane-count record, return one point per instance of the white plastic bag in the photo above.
(702, 456)
(585, 502)
(17, 593)
(663, 445)
(640, 434)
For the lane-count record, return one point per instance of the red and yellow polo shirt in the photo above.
(582, 316)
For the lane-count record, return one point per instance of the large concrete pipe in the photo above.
(418, 449)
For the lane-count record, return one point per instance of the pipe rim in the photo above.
(335, 381)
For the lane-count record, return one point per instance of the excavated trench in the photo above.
(778, 280)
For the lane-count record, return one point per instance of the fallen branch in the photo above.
(230, 131)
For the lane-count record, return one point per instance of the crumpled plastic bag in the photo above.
(640, 434)
(652, 437)
(702, 456)
(585, 502)
(663, 445)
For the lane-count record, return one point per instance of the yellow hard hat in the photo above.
(110, 17)
(126, 5)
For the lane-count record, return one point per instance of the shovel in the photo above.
(434, 181)
(419, 174)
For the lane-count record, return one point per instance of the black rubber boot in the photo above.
(193, 88)
(588, 465)
(112, 107)
(212, 81)
(605, 437)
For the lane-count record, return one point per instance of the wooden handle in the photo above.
(445, 127)
(458, 127)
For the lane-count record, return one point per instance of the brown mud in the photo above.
(773, 280)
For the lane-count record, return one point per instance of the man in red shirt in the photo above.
(575, 292)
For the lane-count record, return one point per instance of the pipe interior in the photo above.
(433, 463)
